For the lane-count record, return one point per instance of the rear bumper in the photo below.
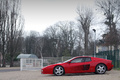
(110, 68)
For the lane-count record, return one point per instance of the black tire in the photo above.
(58, 71)
(100, 69)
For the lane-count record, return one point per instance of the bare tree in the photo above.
(30, 42)
(51, 33)
(62, 37)
(40, 46)
(69, 36)
(11, 24)
(16, 26)
(85, 18)
(111, 10)
(3, 27)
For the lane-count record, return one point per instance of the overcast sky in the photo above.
(40, 14)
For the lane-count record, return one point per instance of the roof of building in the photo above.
(26, 56)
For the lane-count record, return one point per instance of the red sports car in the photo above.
(79, 65)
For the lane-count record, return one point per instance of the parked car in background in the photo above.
(81, 64)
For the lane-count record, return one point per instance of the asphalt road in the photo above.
(9, 69)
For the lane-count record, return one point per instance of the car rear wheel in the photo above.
(100, 69)
(58, 70)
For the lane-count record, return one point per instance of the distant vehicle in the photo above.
(79, 65)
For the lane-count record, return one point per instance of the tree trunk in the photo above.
(3, 61)
(11, 60)
(86, 43)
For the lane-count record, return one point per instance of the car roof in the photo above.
(83, 56)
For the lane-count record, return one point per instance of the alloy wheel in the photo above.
(58, 70)
(101, 69)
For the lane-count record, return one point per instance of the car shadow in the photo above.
(84, 74)
(79, 74)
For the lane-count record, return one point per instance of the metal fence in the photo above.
(37, 64)
(111, 55)
(53, 60)
(98, 56)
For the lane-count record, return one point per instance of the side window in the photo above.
(77, 60)
(87, 59)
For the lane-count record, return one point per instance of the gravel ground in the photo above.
(15, 74)
(9, 69)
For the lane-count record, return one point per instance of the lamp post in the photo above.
(94, 42)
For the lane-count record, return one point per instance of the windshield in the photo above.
(68, 60)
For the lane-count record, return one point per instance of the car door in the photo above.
(87, 64)
(81, 64)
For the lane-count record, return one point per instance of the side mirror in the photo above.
(69, 62)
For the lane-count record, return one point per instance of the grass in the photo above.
(116, 68)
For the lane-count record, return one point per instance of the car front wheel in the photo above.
(58, 70)
(100, 69)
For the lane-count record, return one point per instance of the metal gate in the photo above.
(31, 64)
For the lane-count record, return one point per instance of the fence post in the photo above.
(21, 65)
(62, 58)
(117, 58)
(42, 62)
(114, 58)
(111, 56)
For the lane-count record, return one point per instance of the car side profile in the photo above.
(81, 64)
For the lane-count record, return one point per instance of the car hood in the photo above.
(52, 65)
